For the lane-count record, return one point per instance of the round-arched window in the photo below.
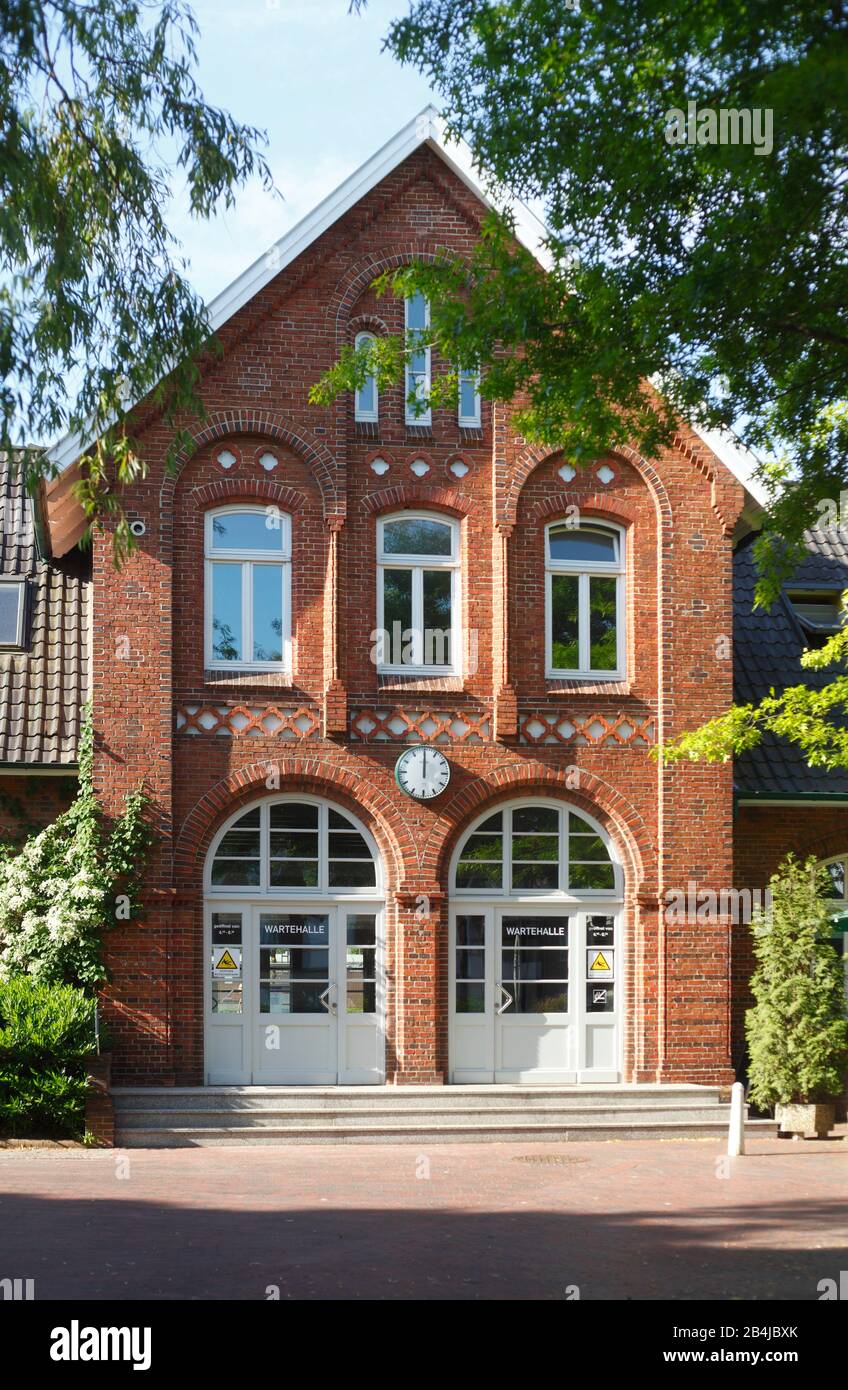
(292, 846)
(536, 847)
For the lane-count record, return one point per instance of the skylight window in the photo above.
(819, 611)
(12, 611)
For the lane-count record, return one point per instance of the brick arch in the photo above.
(224, 424)
(597, 797)
(359, 276)
(532, 455)
(599, 505)
(417, 494)
(830, 846)
(246, 490)
(367, 323)
(313, 775)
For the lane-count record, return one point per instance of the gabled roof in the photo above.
(425, 129)
(44, 687)
(767, 647)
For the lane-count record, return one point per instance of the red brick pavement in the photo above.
(504, 1221)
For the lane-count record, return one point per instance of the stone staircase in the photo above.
(167, 1117)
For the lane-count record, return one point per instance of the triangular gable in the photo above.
(427, 128)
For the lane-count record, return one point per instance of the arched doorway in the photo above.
(536, 948)
(294, 990)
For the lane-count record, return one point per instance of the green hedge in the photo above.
(46, 1035)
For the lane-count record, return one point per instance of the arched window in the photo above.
(417, 321)
(418, 600)
(535, 848)
(248, 589)
(837, 872)
(366, 403)
(584, 600)
(469, 398)
(291, 846)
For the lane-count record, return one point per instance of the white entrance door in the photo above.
(533, 995)
(296, 995)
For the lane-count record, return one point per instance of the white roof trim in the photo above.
(427, 128)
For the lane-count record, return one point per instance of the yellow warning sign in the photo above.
(226, 962)
(600, 962)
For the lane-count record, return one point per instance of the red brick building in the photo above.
(444, 853)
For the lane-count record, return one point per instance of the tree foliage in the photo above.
(717, 271)
(101, 121)
(797, 1030)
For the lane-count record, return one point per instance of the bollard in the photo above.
(736, 1133)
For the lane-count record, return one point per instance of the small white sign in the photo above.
(600, 963)
(226, 960)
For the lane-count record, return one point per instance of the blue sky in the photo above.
(314, 78)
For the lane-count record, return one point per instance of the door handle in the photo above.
(506, 1001)
(329, 1005)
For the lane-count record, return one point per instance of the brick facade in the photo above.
(586, 743)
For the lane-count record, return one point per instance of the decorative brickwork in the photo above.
(243, 721)
(548, 726)
(418, 726)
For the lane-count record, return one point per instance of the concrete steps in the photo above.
(148, 1117)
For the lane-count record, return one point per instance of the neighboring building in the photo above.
(44, 661)
(492, 907)
(783, 804)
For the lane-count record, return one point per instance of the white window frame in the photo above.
(584, 569)
(265, 889)
(559, 894)
(843, 860)
(359, 413)
(469, 422)
(247, 559)
(18, 581)
(413, 380)
(419, 563)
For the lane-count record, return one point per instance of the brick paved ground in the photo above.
(504, 1221)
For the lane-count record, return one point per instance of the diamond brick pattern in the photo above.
(249, 721)
(551, 727)
(377, 725)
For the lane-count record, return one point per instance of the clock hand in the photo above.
(424, 762)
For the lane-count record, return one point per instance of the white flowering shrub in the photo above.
(58, 892)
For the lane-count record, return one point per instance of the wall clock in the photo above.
(422, 772)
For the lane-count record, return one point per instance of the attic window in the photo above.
(12, 611)
(819, 611)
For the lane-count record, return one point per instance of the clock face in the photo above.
(422, 772)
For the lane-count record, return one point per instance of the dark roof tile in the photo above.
(43, 689)
(767, 655)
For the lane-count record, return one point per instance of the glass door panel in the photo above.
(295, 1035)
(361, 1009)
(534, 1037)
